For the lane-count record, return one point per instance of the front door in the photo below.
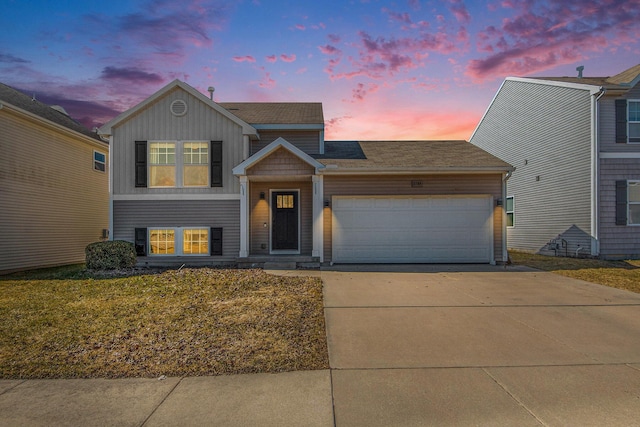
(284, 227)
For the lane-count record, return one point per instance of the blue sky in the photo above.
(412, 69)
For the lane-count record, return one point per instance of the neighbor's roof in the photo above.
(27, 103)
(276, 112)
(408, 156)
(622, 80)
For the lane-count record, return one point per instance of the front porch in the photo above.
(280, 262)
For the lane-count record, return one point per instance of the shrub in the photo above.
(110, 255)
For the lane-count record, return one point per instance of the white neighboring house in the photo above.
(575, 143)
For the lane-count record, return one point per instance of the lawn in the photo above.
(71, 324)
(617, 274)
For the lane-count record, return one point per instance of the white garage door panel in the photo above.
(424, 229)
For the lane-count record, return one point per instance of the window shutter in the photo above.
(621, 202)
(216, 241)
(621, 121)
(216, 163)
(141, 241)
(141, 163)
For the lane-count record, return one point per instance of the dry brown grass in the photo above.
(616, 274)
(177, 323)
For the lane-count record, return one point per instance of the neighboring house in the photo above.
(575, 143)
(200, 182)
(54, 197)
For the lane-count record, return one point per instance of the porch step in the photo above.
(280, 265)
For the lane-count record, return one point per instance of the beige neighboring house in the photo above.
(206, 183)
(54, 190)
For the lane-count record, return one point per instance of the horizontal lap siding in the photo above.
(607, 123)
(307, 141)
(129, 215)
(616, 241)
(52, 201)
(545, 132)
(401, 185)
(201, 123)
(259, 213)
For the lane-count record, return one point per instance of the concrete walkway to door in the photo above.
(480, 345)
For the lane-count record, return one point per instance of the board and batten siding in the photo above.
(545, 132)
(52, 201)
(414, 185)
(616, 241)
(129, 215)
(306, 140)
(157, 123)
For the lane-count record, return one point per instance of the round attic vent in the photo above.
(178, 107)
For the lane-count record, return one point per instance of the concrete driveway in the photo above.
(480, 345)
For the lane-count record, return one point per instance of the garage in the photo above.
(412, 229)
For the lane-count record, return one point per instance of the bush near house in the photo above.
(111, 255)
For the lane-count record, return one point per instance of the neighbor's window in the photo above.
(195, 241)
(162, 241)
(99, 161)
(633, 202)
(162, 164)
(510, 212)
(633, 109)
(195, 164)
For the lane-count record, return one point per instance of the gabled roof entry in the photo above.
(247, 129)
(241, 169)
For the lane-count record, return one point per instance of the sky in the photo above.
(383, 70)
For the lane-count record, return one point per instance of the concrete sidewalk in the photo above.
(408, 345)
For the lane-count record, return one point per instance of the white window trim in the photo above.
(629, 203)
(179, 165)
(96, 161)
(629, 122)
(178, 243)
(283, 251)
(512, 211)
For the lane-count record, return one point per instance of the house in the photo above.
(199, 182)
(54, 197)
(575, 143)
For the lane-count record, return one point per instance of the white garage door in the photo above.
(412, 229)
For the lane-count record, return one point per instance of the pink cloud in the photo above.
(300, 27)
(271, 58)
(288, 58)
(246, 58)
(460, 11)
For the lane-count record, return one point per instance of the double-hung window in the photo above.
(195, 169)
(633, 109)
(162, 164)
(627, 121)
(510, 211)
(633, 202)
(179, 164)
(99, 161)
(179, 241)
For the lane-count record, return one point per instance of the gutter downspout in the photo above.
(505, 253)
(595, 172)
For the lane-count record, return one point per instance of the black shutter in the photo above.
(621, 121)
(216, 241)
(141, 241)
(141, 163)
(621, 202)
(216, 163)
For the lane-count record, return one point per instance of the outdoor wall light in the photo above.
(262, 195)
(326, 203)
(498, 202)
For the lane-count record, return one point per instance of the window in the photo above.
(633, 198)
(633, 110)
(179, 241)
(99, 161)
(510, 212)
(162, 164)
(284, 201)
(196, 164)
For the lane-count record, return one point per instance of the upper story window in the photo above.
(99, 161)
(633, 110)
(510, 211)
(178, 164)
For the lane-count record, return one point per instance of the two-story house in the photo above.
(575, 143)
(200, 182)
(54, 191)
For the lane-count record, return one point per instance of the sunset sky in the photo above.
(413, 69)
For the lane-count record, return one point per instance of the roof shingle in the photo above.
(276, 112)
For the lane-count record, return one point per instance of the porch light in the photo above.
(262, 195)
(326, 203)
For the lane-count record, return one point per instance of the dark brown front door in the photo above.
(284, 227)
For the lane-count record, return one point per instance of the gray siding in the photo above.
(616, 241)
(129, 215)
(545, 132)
(607, 123)
(52, 201)
(201, 123)
(490, 184)
(305, 140)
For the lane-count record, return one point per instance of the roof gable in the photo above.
(279, 143)
(106, 129)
